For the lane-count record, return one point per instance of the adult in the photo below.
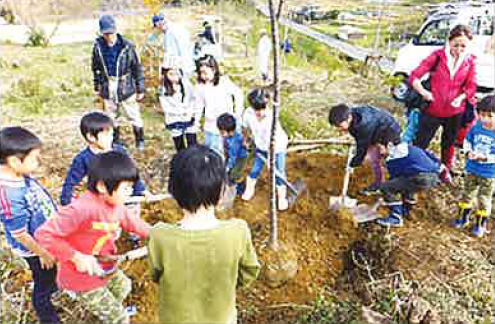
(176, 42)
(263, 55)
(453, 84)
(118, 78)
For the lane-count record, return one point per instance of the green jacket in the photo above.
(198, 271)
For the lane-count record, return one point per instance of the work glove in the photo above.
(87, 263)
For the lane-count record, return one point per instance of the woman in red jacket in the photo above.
(452, 85)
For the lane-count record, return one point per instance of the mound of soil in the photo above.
(315, 237)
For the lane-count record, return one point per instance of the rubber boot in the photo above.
(480, 227)
(249, 192)
(116, 136)
(283, 203)
(394, 219)
(464, 215)
(139, 136)
(191, 140)
(179, 142)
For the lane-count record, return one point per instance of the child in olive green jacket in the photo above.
(200, 261)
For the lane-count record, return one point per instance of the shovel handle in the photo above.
(279, 175)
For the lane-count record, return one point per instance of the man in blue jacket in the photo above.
(118, 78)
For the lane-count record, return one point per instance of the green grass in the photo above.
(47, 81)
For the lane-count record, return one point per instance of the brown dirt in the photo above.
(316, 237)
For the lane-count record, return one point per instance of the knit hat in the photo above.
(107, 24)
(157, 18)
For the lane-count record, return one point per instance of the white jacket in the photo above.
(225, 97)
(260, 130)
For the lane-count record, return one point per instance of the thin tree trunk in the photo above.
(274, 20)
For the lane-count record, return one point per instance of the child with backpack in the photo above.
(258, 121)
(87, 229)
(25, 206)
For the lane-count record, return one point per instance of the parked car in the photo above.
(310, 13)
(433, 34)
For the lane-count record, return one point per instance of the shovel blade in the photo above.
(339, 202)
(298, 187)
(364, 213)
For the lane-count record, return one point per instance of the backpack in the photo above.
(413, 99)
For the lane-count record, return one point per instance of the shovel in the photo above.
(295, 189)
(361, 213)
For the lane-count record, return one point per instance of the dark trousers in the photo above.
(428, 126)
(44, 286)
(406, 187)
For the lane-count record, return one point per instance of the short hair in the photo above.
(487, 104)
(210, 61)
(226, 122)
(258, 98)
(111, 168)
(17, 141)
(196, 178)
(93, 123)
(460, 30)
(338, 114)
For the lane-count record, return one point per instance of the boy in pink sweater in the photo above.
(89, 227)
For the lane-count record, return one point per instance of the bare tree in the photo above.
(274, 22)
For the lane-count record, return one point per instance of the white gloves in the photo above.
(87, 263)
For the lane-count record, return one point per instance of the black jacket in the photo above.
(370, 126)
(129, 70)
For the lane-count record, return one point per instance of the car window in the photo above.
(435, 33)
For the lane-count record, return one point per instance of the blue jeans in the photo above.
(259, 164)
(215, 142)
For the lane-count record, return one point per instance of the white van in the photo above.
(433, 34)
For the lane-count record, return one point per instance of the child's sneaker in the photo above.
(391, 221)
(372, 189)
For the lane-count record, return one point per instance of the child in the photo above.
(25, 205)
(479, 146)
(97, 130)
(88, 228)
(199, 262)
(410, 169)
(364, 124)
(236, 153)
(216, 94)
(178, 104)
(258, 120)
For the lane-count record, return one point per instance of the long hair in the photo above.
(169, 87)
